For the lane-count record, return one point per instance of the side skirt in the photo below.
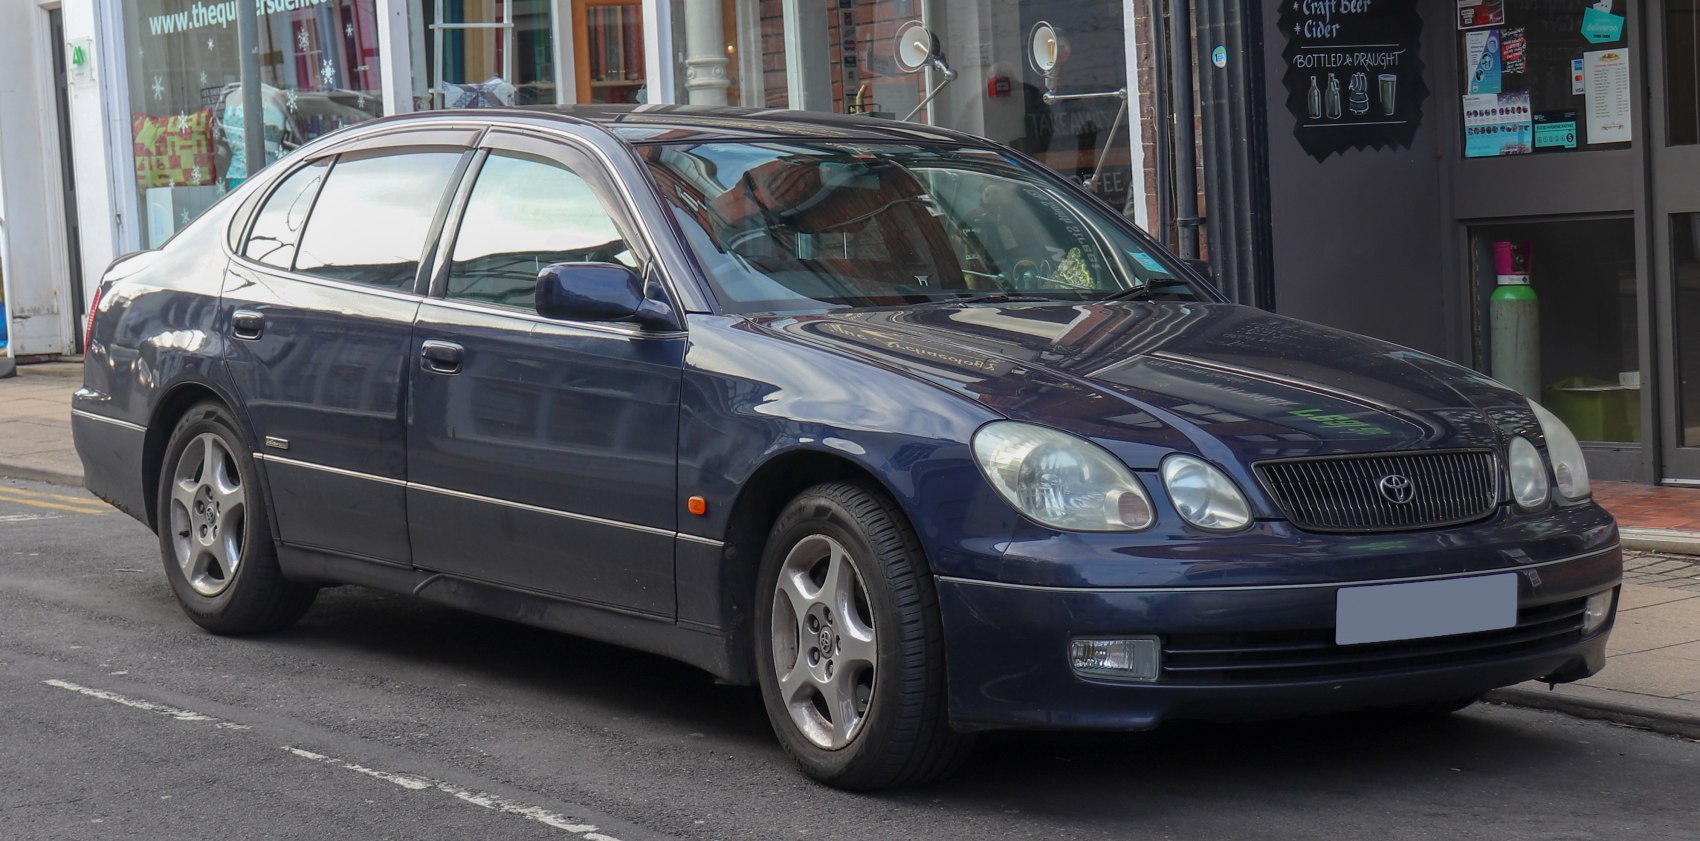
(704, 648)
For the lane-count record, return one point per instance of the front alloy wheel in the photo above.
(852, 663)
(824, 653)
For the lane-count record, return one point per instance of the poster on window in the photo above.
(1354, 73)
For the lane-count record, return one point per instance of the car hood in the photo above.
(1149, 378)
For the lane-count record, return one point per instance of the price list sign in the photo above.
(1354, 73)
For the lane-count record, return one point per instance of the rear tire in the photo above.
(849, 646)
(215, 538)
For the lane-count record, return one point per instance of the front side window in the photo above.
(277, 228)
(372, 216)
(526, 214)
(790, 227)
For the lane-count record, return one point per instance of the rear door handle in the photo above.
(441, 357)
(247, 325)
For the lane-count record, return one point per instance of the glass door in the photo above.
(1674, 194)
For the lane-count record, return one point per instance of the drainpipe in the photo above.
(1185, 138)
(253, 110)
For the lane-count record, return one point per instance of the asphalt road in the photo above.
(380, 717)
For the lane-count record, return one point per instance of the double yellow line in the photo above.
(56, 502)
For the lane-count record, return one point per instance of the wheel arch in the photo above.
(173, 404)
(760, 499)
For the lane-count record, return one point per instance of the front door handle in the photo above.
(247, 325)
(441, 357)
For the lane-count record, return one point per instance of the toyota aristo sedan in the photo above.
(891, 421)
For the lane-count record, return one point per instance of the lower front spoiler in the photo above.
(1007, 665)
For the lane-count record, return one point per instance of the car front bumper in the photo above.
(1253, 652)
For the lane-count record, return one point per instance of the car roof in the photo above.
(696, 123)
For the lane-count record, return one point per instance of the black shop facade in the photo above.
(1510, 184)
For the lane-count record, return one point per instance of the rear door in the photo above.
(318, 308)
(542, 454)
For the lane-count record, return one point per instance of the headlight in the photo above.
(1061, 480)
(1204, 496)
(1568, 468)
(1528, 474)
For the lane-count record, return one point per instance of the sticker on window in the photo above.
(1149, 263)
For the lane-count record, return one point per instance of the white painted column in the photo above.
(1136, 186)
(705, 53)
(658, 51)
(808, 74)
(396, 54)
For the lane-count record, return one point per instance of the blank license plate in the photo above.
(1421, 609)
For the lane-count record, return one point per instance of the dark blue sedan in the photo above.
(891, 421)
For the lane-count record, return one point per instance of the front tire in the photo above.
(849, 648)
(214, 536)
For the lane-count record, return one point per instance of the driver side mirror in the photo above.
(599, 292)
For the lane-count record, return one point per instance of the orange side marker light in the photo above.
(697, 505)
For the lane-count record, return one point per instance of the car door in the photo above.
(542, 454)
(319, 306)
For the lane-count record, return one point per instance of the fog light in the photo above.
(1132, 658)
(1596, 611)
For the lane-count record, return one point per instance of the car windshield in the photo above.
(786, 227)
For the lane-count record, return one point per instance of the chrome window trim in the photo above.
(1102, 591)
(104, 419)
(532, 317)
(627, 197)
(538, 509)
(343, 285)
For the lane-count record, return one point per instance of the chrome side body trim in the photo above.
(537, 509)
(1252, 588)
(104, 419)
(307, 465)
(706, 541)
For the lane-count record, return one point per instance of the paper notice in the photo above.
(1606, 85)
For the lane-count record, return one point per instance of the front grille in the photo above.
(1345, 493)
(1312, 655)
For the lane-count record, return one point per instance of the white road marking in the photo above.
(487, 801)
(161, 709)
(25, 518)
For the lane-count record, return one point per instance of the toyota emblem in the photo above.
(1397, 489)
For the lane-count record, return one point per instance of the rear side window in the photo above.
(372, 217)
(525, 214)
(277, 228)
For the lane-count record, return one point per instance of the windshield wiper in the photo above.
(992, 298)
(1144, 291)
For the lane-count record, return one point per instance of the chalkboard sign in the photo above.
(1354, 73)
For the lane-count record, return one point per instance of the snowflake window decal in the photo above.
(327, 73)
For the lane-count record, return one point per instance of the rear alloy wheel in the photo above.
(213, 532)
(851, 658)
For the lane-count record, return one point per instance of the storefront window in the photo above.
(735, 51)
(1540, 77)
(319, 72)
(1556, 304)
(483, 53)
